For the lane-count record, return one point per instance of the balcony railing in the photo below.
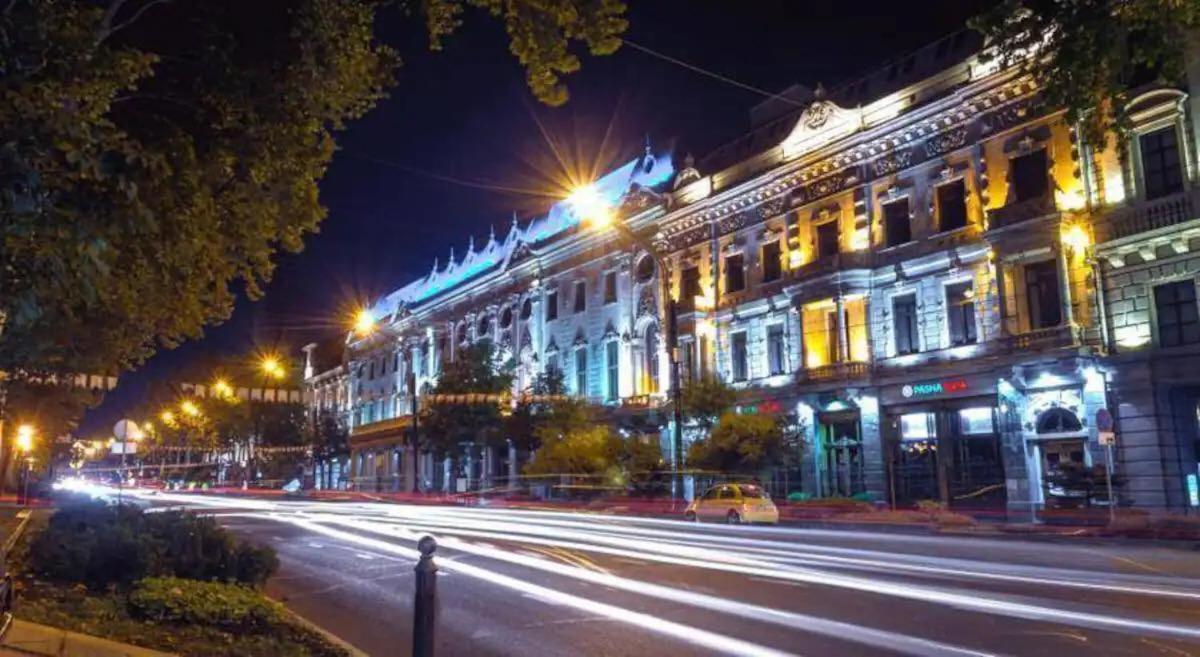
(1015, 213)
(1141, 216)
(1047, 338)
(834, 372)
(830, 264)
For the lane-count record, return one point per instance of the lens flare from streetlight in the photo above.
(189, 408)
(270, 366)
(167, 417)
(364, 322)
(591, 206)
(25, 437)
(222, 388)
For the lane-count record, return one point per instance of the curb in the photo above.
(36, 639)
(12, 539)
(326, 634)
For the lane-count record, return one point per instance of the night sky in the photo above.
(461, 144)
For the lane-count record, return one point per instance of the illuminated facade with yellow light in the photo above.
(917, 266)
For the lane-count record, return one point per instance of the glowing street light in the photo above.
(25, 434)
(591, 206)
(222, 388)
(189, 408)
(364, 322)
(271, 367)
(167, 417)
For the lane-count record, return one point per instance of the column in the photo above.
(843, 338)
(512, 466)
(1064, 286)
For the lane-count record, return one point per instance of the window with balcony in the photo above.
(960, 313)
(1029, 176)
(610, 287)
(612, 357)
(1176, 312)
(776, 350)
(827, 239)
(897, 225)
(581, 374)
(580, 296)
(1162, 171)
(1042, 295)
(689, 284)
(737, 354)
(735, 273)
(552, 305)
(772, 262)
(904, 323)
(952, 205)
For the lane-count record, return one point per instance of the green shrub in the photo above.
(202, 603)
(88, 544)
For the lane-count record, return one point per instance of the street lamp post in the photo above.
(25, 434)
(594, 208)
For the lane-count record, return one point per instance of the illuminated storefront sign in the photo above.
(931, 388)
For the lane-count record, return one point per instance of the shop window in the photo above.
(827, 239)
(960, 313)
(975, 421)
(735, 273)
(1175, 309)
(651, 366)
(1042, 294)
(552, 305)
(613, 368)
(737, 350)
(843, 462)
(776, 350)
(1029, 176)
(897, 225)
(580, 296)
(689, 284)
(904, 318)
(581, 374)
(610, 287)
(1058, 420)
(1162, 171)
(772, 263)
(952, 205)
(917, 426)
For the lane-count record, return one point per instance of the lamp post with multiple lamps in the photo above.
(595, 210)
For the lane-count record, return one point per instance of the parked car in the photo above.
(733, 504)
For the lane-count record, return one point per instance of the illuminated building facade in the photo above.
(926, 268)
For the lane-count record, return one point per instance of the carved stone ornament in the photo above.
(945, 142)
(647, 307)
(892, 163)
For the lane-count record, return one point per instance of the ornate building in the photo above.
(927, 267)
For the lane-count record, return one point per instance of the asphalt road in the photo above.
(525, 583)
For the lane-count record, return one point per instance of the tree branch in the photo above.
(107, 28)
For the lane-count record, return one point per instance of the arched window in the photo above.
(651, 355)
(506, 318)
(485, 327)
(645, 269)
(1058, 420)
(526, 310)
(462, 332)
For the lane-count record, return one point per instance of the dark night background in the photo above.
(441, 158)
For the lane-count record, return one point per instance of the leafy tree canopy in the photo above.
(1090, 52)
(739, 443)
(447, 425)
(157, 156)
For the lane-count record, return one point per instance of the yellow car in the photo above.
(733, 504)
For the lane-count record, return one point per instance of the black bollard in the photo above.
(425, 599)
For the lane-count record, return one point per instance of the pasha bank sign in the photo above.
(933, 388)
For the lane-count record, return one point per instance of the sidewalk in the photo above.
(24, 639)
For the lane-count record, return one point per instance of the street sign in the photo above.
(1104, 420)
(1107, 438)
(127, 447)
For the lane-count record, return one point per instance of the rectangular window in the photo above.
(551, 362)
(1029, 176)
(952, 205)
(960, 313)
(610, 287)
(827, 239)
(1042, 295)
(896, 223)
(1161, 167)
(580, 296)
(904, 316)
(737, 352)
(703, 356)
(1175, 308)
(581, 372)
(689, 283)
(772, 263)
(687, 360)
(613, 366)
(776, 353)
(552, 306)
(735, 274)
(833, 341)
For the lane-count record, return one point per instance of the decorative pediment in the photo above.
(820, 123)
